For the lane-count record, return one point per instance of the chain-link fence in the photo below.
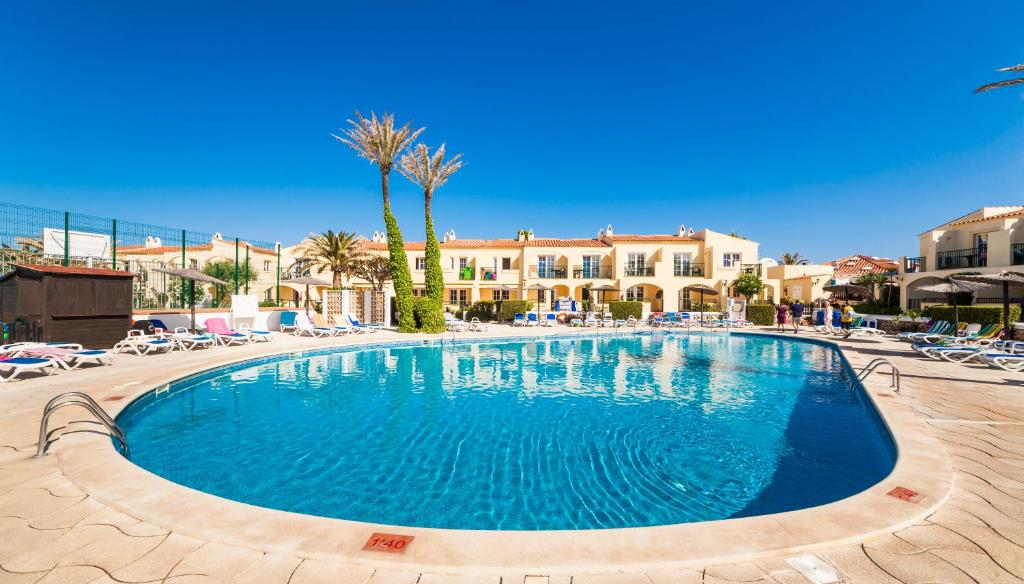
(32, 235)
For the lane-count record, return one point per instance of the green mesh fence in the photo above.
(33, 235)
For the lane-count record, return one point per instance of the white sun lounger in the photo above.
(15, 366)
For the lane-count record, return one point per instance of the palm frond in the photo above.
(998, 84)
(1011, 69)
(377, 139)
(428, 171)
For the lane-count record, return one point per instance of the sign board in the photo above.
(81, 244)
(388, 543)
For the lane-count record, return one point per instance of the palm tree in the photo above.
(337, 253)
(1005, 82)
(430, 172)
(380, 142)
(792, 258)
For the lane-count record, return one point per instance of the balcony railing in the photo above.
(751, 268)
(639, 271)
(592, 272)
(688, 270)
(466, 273)
(488, 274)
(547, 272)
(961, 258)
(1017, 253)
(914, 265)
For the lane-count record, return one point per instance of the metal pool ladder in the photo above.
(77, 398)
(874, 364)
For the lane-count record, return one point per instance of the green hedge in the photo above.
(761, 314)
(509, 308)
(429, 315)
(978, 314)
(482, 309)
(872, 307)
(623, 309)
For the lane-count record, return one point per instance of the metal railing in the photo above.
(961, 258)
(638, 271)
(751, 269)
(488, 274)
(593, 272)
(875, 364)
(77, 398)
(548, 272)
(914, 265)
(1017, 254)
(688, 270)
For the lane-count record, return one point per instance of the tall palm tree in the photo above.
(792, 258)
(380, 142)
(430, 172)
(1005, 82)
(337, 253)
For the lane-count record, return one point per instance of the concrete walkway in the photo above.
(52, 532)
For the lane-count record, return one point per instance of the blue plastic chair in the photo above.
(288, 321)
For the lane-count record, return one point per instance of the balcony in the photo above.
(488, 274)
(961, 258)
(592, 272)
(914, 265)
(466, 274)
(632, 271)
(547, 272)
(689, 270)
(751, 269)
(1017, 254)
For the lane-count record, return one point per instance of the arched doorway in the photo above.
(648, 293)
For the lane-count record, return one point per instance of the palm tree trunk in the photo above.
(399, 263)
(337, 279)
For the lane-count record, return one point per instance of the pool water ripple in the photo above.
(579, 433)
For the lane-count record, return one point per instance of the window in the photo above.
(499, 294)
(419, 292)
(266, 267)
(636, 264)
(591, 266)
(730, 260)
(545, 266)
(457, 297)
(635, 293)
(506, 263)
(266, 295)
(193, 263)
(681, 264)
(463, 262)
(421, 263)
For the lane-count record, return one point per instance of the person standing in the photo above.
(798, 315)
(828, 318)
(780, 317)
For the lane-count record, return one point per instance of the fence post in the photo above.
(113, 239)
(247, 275)
(236, 265)
(183, 266)
(67, 238)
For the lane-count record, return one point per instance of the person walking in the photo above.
(829, 329)
(780, 317)
(846, 321)
(798, 315)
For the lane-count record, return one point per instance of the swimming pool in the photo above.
(563, 433)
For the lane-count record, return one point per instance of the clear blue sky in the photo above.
(818, 127)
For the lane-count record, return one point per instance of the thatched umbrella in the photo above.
(702, 289)
(1004, 278)
(953, 287)
(192, 276)
(541, 289)
(603, 291)
(849, 290)
(306, 281)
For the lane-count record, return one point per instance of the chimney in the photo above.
(608, 230)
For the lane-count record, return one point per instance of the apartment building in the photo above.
(984, 241)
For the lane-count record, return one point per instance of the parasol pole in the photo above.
(192, 301)
(1007, 333)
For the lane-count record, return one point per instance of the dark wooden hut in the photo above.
(90, 306)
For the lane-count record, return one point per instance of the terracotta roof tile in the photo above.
(1007, 215)
(648, 238)
(857, 265)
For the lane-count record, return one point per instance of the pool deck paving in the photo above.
(55, 527)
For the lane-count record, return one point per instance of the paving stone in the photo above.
(319, 572)
(453, 579)
(611, 579)
(676, 576)
(218, 561)
(269, 569)
(920, 567)
(977, 565)
(394, 577)
(159, 561)
(72, 575)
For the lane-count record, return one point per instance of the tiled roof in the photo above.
(856, 265)
(542, 242)
(143, 250)
(76, 270)
(1007, 215)
(648, 238)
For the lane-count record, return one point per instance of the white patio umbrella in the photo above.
(953, 286)
(192, 276)
(603, 291)
(702, 289)
(541, 289)
(307, 281)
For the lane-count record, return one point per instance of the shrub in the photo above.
(400, 276)
(623, 309)
(761, 314)
(433, 277)
(978, 314)
(748, 284)
(509, 308)
(268, 303)
(429, 315)
(873, 307)
(482, 309)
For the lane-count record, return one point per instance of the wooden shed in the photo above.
(90, 306)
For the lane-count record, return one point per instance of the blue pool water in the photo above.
(580, 433)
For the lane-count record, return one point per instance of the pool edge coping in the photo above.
(91, 462)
